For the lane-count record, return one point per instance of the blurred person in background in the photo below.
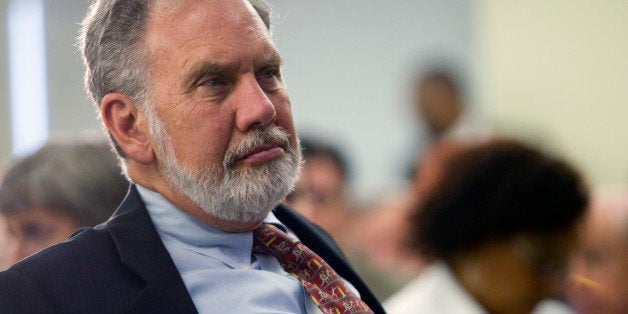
(382, 232)
(322, 193)
(70, 182)
(599, 270)
(499, 226)
(441, 109)
(438, 103)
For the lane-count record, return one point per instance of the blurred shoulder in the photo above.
(86, 244)
(77, 269)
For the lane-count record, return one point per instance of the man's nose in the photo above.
(255, 109)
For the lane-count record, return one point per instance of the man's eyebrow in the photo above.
(208, 68)
(200, 71)
(272, 59)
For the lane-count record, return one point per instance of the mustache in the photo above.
(255, 138)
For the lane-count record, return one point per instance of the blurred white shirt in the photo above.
(436, 290)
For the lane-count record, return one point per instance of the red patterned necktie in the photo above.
(328, 291)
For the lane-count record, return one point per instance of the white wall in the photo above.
(70, 108)
(557, 71)
(347, 66)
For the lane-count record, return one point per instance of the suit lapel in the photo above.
(142, 251)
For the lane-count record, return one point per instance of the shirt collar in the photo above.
(181, 229)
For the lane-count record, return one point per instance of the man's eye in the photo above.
(37, 231)
(270, 73)
(269, 79)
(214, 82)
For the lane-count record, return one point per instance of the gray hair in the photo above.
(78, 177)
(111, 43)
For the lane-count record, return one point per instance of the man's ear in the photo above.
(129, 128)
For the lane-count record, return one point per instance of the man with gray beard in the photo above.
(192, 97)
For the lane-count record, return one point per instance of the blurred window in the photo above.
(27, 75)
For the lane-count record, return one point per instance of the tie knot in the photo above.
(268, 239)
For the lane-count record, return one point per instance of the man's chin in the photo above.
(247, 217)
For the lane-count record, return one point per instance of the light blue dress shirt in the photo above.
(218, 268)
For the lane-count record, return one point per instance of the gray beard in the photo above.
(237, 195)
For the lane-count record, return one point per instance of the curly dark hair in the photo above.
(494, 191)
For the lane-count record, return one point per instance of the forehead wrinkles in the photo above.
(163, 9)
(217, 12)
(190, 26)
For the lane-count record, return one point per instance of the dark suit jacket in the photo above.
(122, 266)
